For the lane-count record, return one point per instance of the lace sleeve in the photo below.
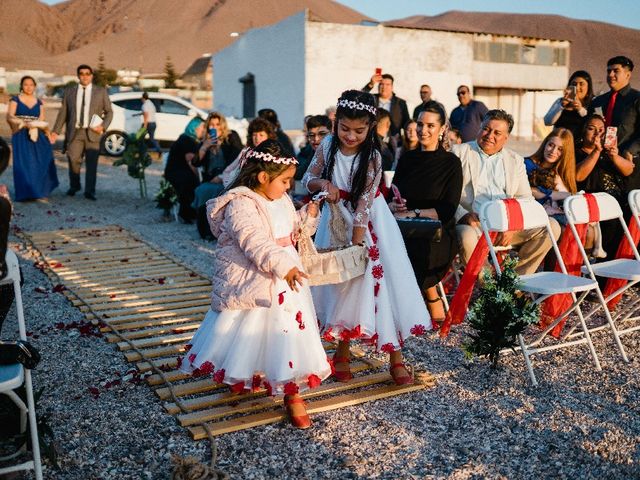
(374, 174)
(316, 166)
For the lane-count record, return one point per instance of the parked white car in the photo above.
(173, 114)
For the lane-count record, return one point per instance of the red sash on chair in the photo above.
(624, 251)
(460, 301)
(556, 304)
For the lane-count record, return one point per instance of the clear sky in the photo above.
(619, 12)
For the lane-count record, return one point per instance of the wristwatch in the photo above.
(417, 212)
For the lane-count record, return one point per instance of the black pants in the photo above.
(6, 291)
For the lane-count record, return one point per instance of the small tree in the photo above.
(104, 76)
(500, 313)
(170, 75)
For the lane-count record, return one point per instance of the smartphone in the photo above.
(610, 137)
(213, 133)
(378, 71)
(570, 92)
(396, 194)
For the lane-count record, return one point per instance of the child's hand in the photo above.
(312, 209)
(334, 192)
(295, 276)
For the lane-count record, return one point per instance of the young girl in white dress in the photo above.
(385, 306)
(261, 330)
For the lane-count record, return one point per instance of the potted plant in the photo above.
(500, 313)
(136, 158)
(166, 197)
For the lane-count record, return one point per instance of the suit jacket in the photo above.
(99, 104)
(399, 111)
(516, 181)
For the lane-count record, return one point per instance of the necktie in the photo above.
(608, 115)
(84, 92)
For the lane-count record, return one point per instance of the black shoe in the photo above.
(90, 196)
(71, 192)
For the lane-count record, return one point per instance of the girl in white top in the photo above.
(385, 306)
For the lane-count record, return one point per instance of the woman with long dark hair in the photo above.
(570, 110)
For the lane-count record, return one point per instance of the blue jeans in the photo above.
(151, 130)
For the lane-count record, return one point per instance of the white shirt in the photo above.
(87, 102)
(491, 183)
(150, 109)
(386, 104)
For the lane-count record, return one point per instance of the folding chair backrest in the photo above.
(497, 219)
(634, 203)
(494, 218)
(577, 211)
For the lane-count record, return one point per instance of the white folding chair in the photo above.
(540, 285)
(13, 376)
(577, 212)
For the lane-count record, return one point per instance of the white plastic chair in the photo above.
(13, 376)
(540, 285)
(577, 212)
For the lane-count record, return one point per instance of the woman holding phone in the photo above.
(218, 150)
(429, 179)
(570, 110)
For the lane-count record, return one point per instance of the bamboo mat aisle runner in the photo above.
(158, 303)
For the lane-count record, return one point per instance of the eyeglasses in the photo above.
(461, 94)
(311, 136)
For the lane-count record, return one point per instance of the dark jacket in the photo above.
(399, 111)
(626, 116)
(467, 120)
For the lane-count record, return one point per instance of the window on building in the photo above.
(527, 54)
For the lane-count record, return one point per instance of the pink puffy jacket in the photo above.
(247, 258)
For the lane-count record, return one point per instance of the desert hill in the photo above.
(592, 43)
(139, 34)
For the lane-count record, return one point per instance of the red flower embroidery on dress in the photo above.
(400, 339)
(187, 347)
(328, 336)
(255, 382)
(376, 289)
(370, 225)
(192, 357)
(314, 381)
(374, 253)
(377, 271)
(330, 362)
(281, 297)
(290, 364)
(291, 389)
(219, 376)
(299, 320)
(268, 388)
(207, 368)
(418, 330)
(179, 362)
(356, 332)
(388, 348)
(374, 237)
(237, 388)
(196, 373)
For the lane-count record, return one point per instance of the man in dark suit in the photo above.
(86, 113)
(620, 107)
(385, 98)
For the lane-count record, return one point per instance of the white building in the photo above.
(299, 67)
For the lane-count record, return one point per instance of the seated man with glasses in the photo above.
(467, 117)
(318, 127)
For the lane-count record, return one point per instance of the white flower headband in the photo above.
(353, 105)
(267, 157)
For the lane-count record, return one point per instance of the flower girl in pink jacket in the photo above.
(261, 330)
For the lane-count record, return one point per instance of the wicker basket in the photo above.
(337, 264)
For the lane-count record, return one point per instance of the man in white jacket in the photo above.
(490, 172)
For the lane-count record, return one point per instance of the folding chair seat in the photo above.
(15, 375)
(494, 217)
(579, 211)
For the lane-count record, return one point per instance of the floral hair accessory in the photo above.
(267, 157)
(353, 105)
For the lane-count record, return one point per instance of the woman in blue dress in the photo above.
(34, 171)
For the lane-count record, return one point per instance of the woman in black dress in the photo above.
(430, 181)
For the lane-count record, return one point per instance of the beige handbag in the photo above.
(339, 263)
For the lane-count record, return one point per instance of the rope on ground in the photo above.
(185, 468)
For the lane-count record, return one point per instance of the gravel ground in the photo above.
(476, 423)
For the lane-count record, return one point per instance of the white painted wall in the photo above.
(509, 75)
(275, 55)
(340, 57)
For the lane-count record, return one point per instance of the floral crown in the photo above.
(353, 105)
(267, 157)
